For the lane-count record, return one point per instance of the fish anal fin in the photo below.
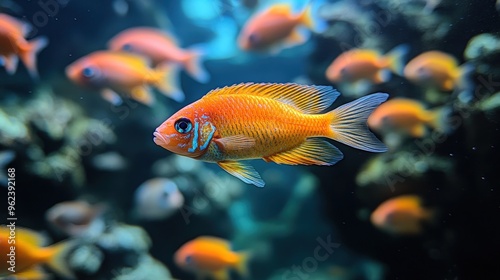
(31, 274)
(308, 99)
(244, 172)
(382, 76)
(297, 37)
(221, 274)
(314, 151)
(417, 130)
(235, 142)
(142, 94)
(448, 85)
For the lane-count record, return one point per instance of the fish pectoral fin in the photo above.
(143, 95)
(11, 62)
(111, 96)
(314, 151)
(221, 274)
(235, 142)
(245, 173)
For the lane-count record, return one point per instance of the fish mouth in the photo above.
(160, 140)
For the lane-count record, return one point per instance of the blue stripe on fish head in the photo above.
(194, 144)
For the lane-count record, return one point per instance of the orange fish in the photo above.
(273, 122)
(408, 116)
(210, 257)
(22, 254)
(401, 215)
(160, 47)
(439, 70)
(13, 45)
(366, 65)
(120, 72)
(276, 28)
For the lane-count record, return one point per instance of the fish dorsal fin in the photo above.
(281, 9)
(216, 241)
(308, 99)
(133, 59)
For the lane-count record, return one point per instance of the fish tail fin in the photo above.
(194, 66)
(397, 58)
(310, 16)
(58, 254)
(440, 119)
(242, 264)
(167, 81)
(29, 55)
(348, 123)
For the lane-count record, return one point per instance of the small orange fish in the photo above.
(401, 215)
(125, 73)
(276, 28)
(366, 65)
(22, 254)
(14, 45)
(210, 257)
(160, 47)
(273, 122)
(408, 116)
(438, 69)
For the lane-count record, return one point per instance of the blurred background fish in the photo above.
(27, 254)
(212, 257)
(278, 27)
(160, 47)
(157, 199)
(116, 73)
(402, 215)
(13, 45)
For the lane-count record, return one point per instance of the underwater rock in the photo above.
(52, 114)
(148, 268)
(484, 51)
(12, 129)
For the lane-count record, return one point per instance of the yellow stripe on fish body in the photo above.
(275, 122)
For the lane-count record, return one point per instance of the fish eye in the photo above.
(127, 47)
(189, 260)
(89, 72)
(253, 38)
(183, 125)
